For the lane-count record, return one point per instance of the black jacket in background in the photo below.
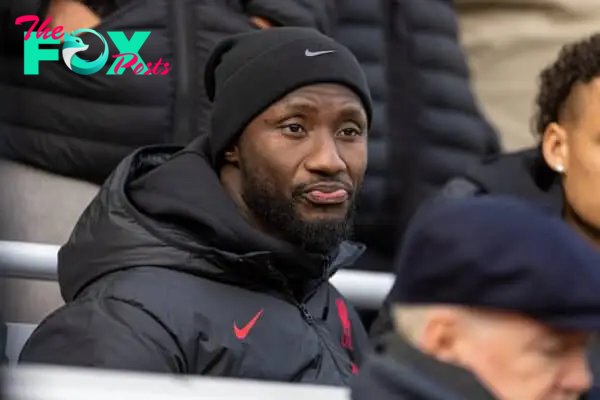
(160, 269)
(360, 28)
(427, 127)
(436, 128)
(523, 174)
(83, 125)
(402, 372)
(3, 339)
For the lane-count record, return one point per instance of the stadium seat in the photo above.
(17, 335)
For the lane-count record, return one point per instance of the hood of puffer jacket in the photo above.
(165, 207)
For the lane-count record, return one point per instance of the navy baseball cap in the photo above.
(500, 253)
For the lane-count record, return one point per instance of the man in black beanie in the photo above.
(215, 259)
(303, 105)
(495, 299)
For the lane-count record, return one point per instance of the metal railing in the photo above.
(52, 383)
(38, 261)
(28, 260)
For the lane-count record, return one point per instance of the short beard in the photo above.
(279, 214)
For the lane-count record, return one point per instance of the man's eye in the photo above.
(294, 129)
(349, 132)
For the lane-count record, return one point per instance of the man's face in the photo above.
(301, 163)
(520, 359)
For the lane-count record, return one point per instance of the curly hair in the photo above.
(577, 62)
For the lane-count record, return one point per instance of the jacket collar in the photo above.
(455, 382)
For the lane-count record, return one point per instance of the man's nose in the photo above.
(577, 377)
(324, 157)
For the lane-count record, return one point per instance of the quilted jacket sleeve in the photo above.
(436, 126)
(10, 10)
(319, 14)
(106, 333)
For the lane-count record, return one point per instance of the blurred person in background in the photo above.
(427, 126)
(214, 259)
(61, 133)
(494, 299)
(563, 171)
(438, 128)
(507, 43)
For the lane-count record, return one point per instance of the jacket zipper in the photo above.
(308, 317)
(310, 320)
(181, 114)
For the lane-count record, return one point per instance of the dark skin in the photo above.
(316, 134)
(574, 143)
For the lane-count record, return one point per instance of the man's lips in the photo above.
(326, 194)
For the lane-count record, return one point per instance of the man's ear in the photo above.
(441, 334)
(232, 155)
(555, 147)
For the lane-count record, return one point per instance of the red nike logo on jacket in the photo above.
(241, 333)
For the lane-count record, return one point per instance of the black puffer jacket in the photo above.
(162, 273)
(436, 127)
(427, 127)
(360, 28)
(3, 340)
(83, 125)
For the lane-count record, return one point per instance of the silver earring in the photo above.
(559, 168)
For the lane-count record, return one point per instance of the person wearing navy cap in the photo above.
(494, 299)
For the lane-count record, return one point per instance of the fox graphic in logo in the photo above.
(73, 45)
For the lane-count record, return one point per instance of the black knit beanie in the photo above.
(247, 73)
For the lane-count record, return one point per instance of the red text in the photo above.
(55, 34)
(155, 71)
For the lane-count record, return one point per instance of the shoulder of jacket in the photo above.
(168, 295)
(458, 188)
